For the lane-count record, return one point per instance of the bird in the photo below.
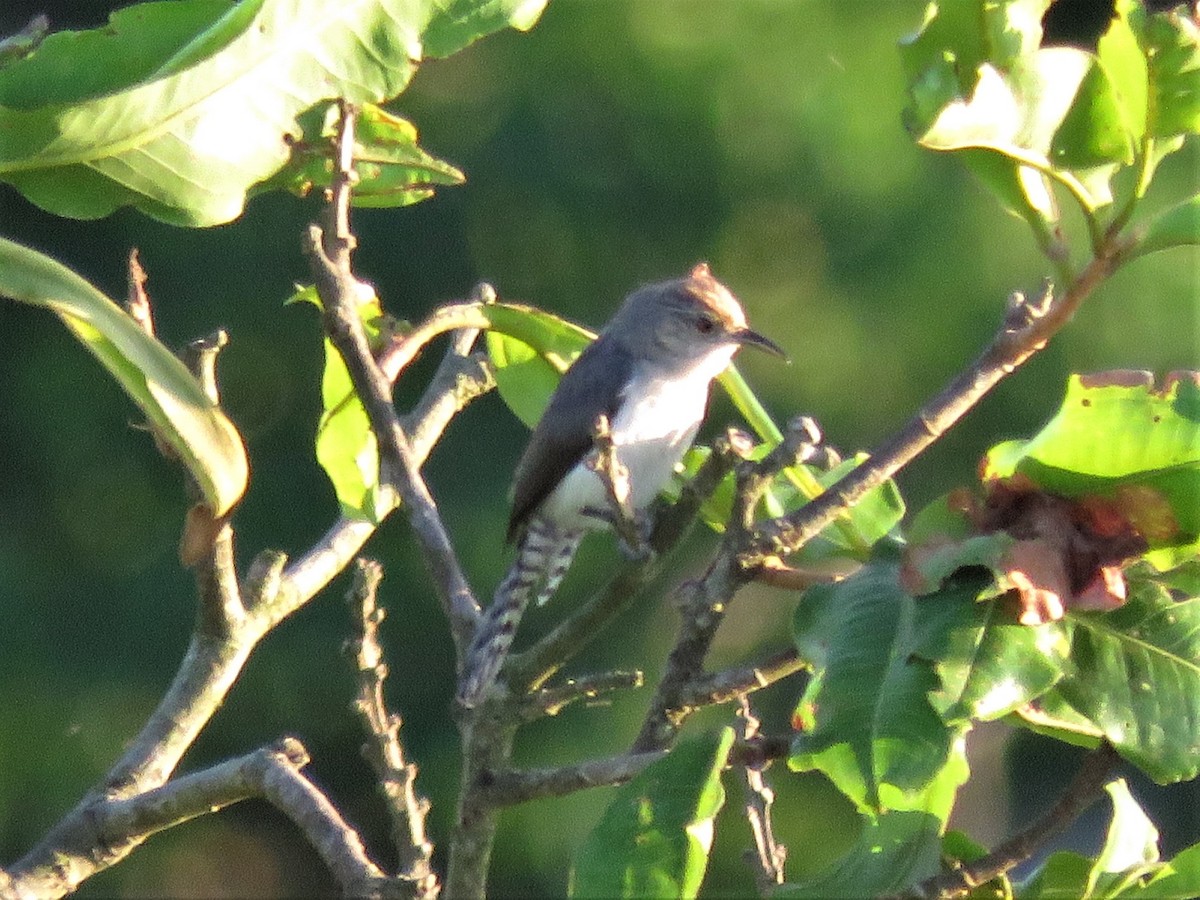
(649, 373)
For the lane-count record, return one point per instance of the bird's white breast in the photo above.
(652, 429)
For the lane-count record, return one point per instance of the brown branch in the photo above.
(768, 855)
(1082, 792)
(397, 777)
(1026, 329)
(329, 251)
(509, 787)
(730, 684)
(396, 357)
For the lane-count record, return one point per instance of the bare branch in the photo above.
(549, 701)
(329, 251)
(507, 788)
(767, 857)
(1027, 327)
(1084, 789)
(730, 684)
(396, 357)
(397, 777)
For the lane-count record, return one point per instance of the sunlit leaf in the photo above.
(655, 836)
(1147, 465)
(179, 109)
(346, 447)
(1137, 678)
(392, 170)
(530, 349)
(181, 413)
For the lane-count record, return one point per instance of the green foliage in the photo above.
(1127, 867)
(205, 108)
(1148, 463)
(1136, 677)
(865, 719)
(182, 414)
(1024, 117)
(655, 836)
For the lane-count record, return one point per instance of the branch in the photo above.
(116, 827)
(509, 787)
(730, 684)
(397, 777)
(550, 701)
(768, 855)
(1082, 792)
(329, 252)
(1026, 328)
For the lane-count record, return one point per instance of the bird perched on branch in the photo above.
(645, 380)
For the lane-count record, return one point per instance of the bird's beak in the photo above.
(747, 336)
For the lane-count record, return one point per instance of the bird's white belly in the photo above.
(651, 431)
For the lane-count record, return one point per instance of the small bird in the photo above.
(649, 372)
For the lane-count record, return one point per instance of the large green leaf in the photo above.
(655, 836)
(346, 447)
(530, 349)
(865, 719)
(181, 413)
(1137, 678)
(1017, 114)
(1147, 464)
(191, 109)
(987, 664)
(896, 849)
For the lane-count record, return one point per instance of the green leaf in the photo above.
(1147, 465)
(184, 416)
(1127, 866)
(392, 170)
(1178, 878)
(529, 350)
(1137, 679)
(191, 110)
(655, 837)
(1178, 226)
(346, 447)
(988, 665)
(865, 719)
(1172, 45)
(896, 849)
(1130, 848)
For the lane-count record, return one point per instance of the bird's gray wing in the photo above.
(563, 435)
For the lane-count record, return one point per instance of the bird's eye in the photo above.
(705, 324)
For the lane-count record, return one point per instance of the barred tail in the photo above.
(543, 556)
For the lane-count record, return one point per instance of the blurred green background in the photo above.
(620, 141)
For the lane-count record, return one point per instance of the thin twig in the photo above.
(768, 855)
(397, 777)
(1082, 792)
(549, 701)
(137, 301)
(507, 788)
(730, 684)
